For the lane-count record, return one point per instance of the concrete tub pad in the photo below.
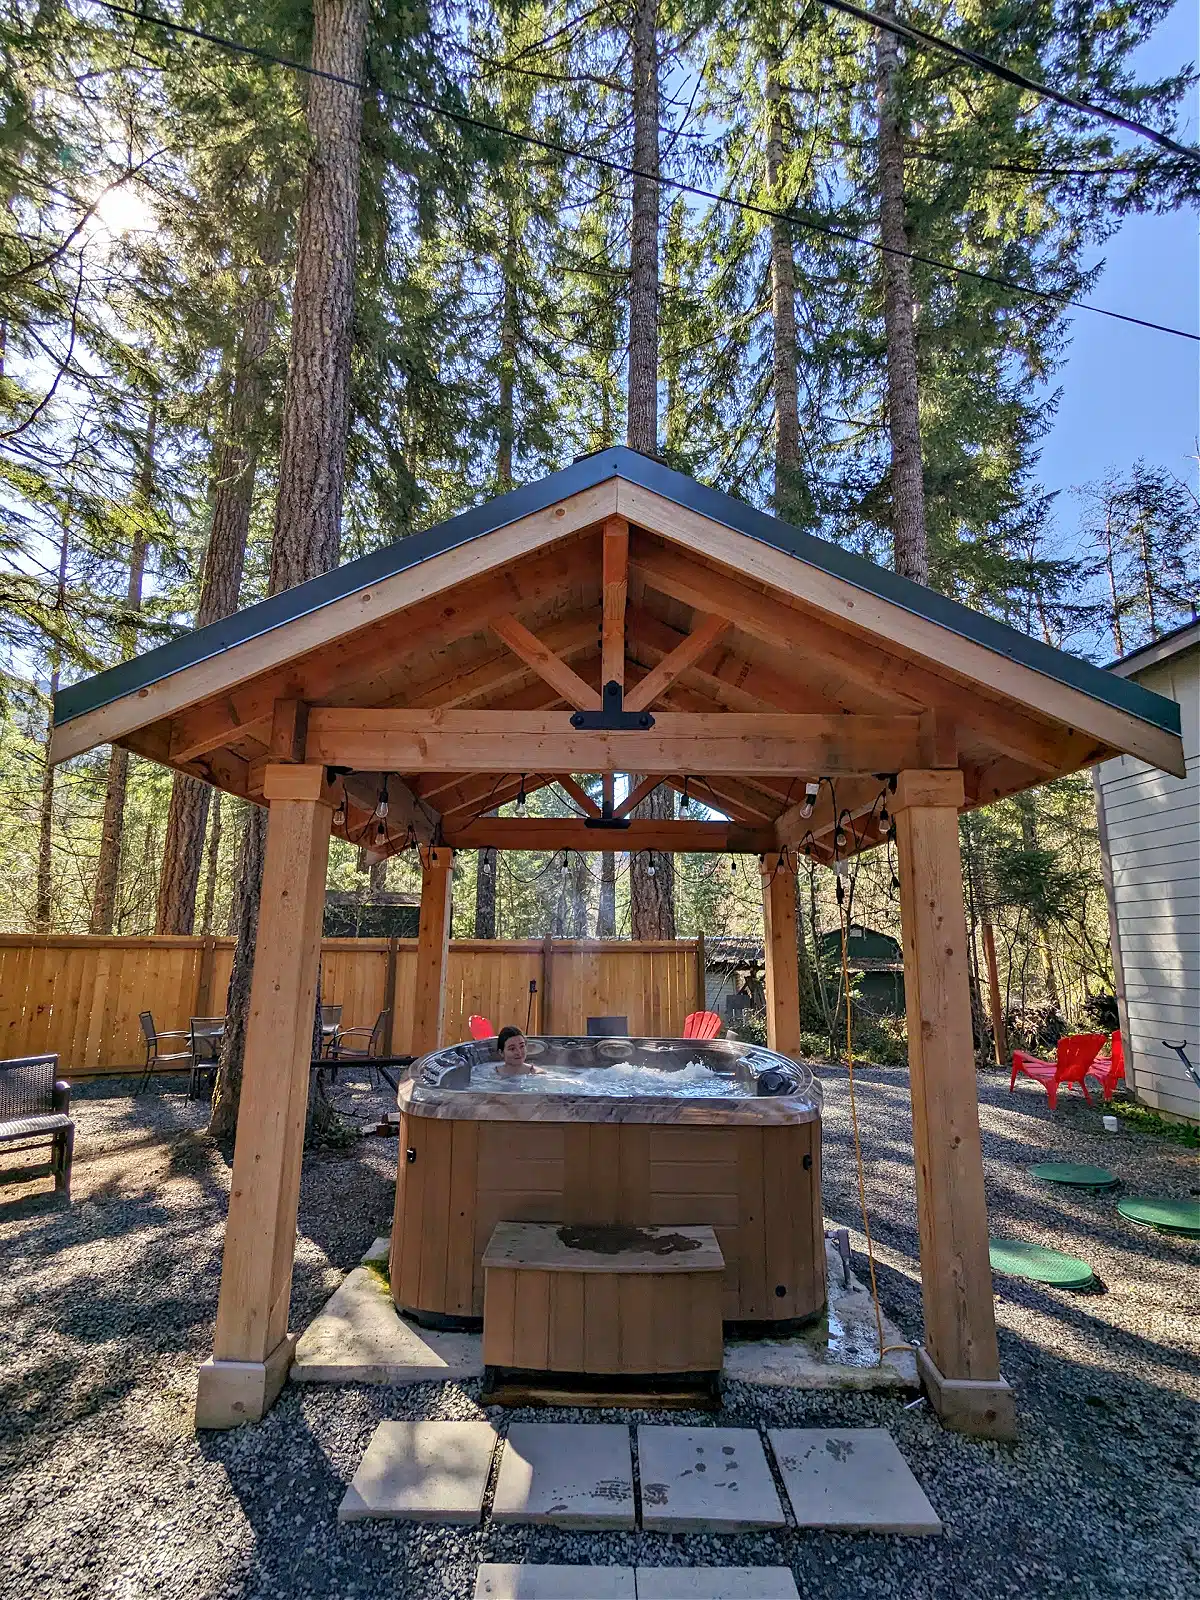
(853, 1480)
(508, 1581)
(716, 1583)
(422, 1472)
(709, 1480)
(570, 1474)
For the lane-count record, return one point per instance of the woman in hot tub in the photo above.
(510, 1042)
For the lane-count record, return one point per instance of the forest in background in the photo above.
(169, 266)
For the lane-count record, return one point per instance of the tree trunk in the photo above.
(1029, 843)
(316, 417)
(506, 420)
(104, 893)
(909, 544)
(377, 882)
(580, 878)
(652, 895)
(214, 859)
(220, 586)
(606, 908)
(44, 904)
(789, 487)
(1147, 565)
(485, 895)
(642, 421)
(1111, 568)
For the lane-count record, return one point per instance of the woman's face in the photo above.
(514, 1053)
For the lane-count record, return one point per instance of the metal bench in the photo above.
(33, 1113)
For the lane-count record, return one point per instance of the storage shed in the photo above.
(1150, 842)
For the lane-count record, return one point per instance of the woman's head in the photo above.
(510, 1042)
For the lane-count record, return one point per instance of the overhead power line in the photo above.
(555, 147)
(915, 35)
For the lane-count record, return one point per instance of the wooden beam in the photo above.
(615, 567)
(252, 1347)
(782, 958)
(728, 742)
(289, 729)
(572, 833)
(640, 791)
(499, 671)
(578, 793)
(956, 1278)
(562, 678)
(433, 948)
(688, 651)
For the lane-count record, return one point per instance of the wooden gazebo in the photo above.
(616, 617)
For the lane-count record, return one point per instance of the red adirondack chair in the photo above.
(1110, 1069)
(701, 1025)
(1074, 1058)
(480, 1028)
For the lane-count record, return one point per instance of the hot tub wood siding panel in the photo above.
(748, 1183)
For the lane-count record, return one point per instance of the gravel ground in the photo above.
(106, 1310)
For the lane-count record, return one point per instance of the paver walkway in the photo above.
(509, 1581)
(571, 1474)
(852, 1479)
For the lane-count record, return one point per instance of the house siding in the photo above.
(1150, 831)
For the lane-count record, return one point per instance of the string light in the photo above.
(885, 820)
(811, 791)
(521, 809)
(566, 863)
(381, 833)
(381, 805)
(839, 835)
(339, 816)
(685, 799)
(651, 870)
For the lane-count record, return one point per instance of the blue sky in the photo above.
(1128, 392)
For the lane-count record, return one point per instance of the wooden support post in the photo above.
(959, 1363)
(204, 987)
(545, 1024)
(783, 968)
(389, 994)
(433, 950)
(252, 1350)
(995, 1003)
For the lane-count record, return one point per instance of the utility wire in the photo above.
(915, 35)
(554, 147)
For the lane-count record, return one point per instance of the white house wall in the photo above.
(1152, 823)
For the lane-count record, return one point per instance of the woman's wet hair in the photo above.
(505, 1035)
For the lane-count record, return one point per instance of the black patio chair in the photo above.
(374, 1045)
(33, 1112)
(156, 1060)
(206, 1035)
(331, 1028)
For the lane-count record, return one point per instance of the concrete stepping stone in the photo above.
(712, 1480)
(851, 1479)
(571, 1474)
(499, 1580)
(716, 1583)
(422, 1472)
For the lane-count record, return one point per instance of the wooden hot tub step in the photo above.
(612, 1300)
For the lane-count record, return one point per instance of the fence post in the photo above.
(547, 968)
(701, 974)
(389, 994)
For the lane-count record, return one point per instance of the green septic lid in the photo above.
(1069, 1172)
(1021, 1260)
(1171, 1216)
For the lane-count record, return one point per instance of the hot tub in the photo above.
(641, 1131)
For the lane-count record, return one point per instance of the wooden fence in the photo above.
(80, 996)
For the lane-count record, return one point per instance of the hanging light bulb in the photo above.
(381, 805)
(885, 820)
(339, 816)
(520, 806)
(839, 836)
(811, 791)
(685, 799)
(381, 833)
(895, 883)
(651, 870)
(566, 862)
(733, 866)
